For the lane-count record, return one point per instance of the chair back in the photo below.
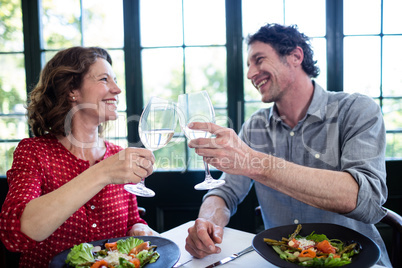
(394, 220)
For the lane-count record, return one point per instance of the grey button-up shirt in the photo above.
(340, 132)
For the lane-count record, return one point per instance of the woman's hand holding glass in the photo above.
(128, 166)
(157, 125)
(156, 128)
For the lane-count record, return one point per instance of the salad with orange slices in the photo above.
(314, 250)
(124, 253)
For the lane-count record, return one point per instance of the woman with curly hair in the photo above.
(66, 183)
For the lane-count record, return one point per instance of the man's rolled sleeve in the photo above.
(364, 158)
(372, 195)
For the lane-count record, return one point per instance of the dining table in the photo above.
(233, 241)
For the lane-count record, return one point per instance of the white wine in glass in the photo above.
(156, 128)
(197, 107)
(156, 139)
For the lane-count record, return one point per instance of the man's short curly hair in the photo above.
(284, 39)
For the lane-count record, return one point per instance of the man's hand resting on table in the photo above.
(202, 238)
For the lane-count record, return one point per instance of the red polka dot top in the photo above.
(41, 165)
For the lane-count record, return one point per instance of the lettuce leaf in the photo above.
(126, 245)
(147, 256)
(317, 237)
(283, 254)
(123, 263)
(328, 262)
(80, 254)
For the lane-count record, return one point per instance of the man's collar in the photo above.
(318, 103)
(316, 108)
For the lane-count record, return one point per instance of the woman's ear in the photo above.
(72, 96)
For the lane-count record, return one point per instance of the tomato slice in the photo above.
(308, 253)
(139, 248)
(111, 246)
(136, 262)
(325, 247)
(99, 264)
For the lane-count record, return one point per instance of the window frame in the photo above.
(234, 46)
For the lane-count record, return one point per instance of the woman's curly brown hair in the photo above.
(48, 103)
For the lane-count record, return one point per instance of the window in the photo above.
(190, 45)
(183, 50)
(12, 82)
(88, 23)
(370, 46)
(310, 22)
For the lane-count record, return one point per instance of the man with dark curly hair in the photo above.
(314, 156)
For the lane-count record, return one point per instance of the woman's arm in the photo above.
(43, 215)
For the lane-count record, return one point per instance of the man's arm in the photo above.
(329, 190)
(334, 191)
(208, 228)
(214, 209)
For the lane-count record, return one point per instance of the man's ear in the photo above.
(297, 56)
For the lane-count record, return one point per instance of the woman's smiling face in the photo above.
(98, 95)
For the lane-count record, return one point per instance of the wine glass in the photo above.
(197, 107)
(156, 129)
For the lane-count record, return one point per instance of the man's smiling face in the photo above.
(268, 72)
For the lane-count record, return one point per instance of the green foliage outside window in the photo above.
(190, 63)
(12, 81)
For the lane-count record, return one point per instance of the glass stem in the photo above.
(141, 184)
(207, 173)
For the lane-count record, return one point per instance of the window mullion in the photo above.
(32, 42)
(133, 71)
(334, 19)
(381, 100)
(234, 50)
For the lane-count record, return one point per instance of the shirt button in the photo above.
(92, 207)
(296, 221)
(291, 133)
(94, 225)
(317, 156)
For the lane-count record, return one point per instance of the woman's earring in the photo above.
(73, 98)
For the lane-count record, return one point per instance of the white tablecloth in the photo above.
(233, 242)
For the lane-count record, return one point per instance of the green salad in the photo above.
(124, 253)
(314, 250)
